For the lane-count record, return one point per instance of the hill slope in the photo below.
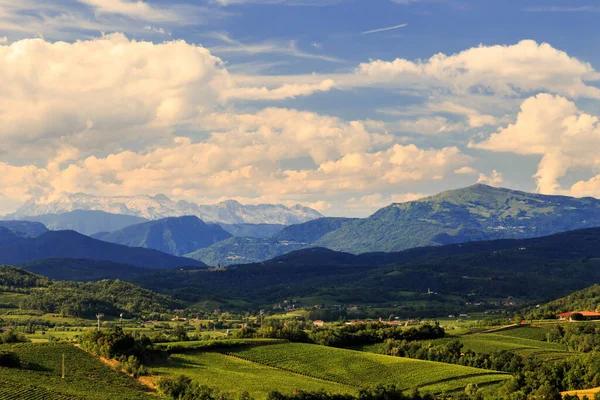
(86, 222)
(474, 213)
(252, 230)
(176, 235)
(531, 270)
(83, 270)
(244, 250)
(587, 299)
(70, 244)
(24, 229)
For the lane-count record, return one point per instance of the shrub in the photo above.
(9, 359)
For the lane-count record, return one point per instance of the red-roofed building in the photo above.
(586, 316)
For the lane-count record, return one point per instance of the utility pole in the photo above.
(99, 316)
(63, 366)
(121, 318)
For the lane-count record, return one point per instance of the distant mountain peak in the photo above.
(160, 206)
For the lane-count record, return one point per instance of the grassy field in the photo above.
(522, 340)
(234, 376)
(86, 377)
(350, 367)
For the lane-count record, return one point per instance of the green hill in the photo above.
(176, 235)
(83, 270)
(252, 230)
(244, 250)
(110, 297)
(533, 270)
(70, 244)
(24, 229)
(311, 231)
(587, 299)
(474, 213)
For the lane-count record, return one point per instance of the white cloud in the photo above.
(555, 129)
(284, 92)
(101, 92)
(494, 179)
(505, 70)
(466, 171)
(241, 159)
(429, 126)
(3, 39)
(134, 9)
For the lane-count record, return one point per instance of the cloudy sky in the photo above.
(341, 105)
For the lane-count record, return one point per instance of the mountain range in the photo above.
(174, 235)
(474, 213)
(530, 270)
(160, 206)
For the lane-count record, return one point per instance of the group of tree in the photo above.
(341, 336)
(577, 337)
(108, 297)
(183, 388)
(131, 350)
(530, 372)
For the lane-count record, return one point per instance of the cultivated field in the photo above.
(233, 375)
(86, 377)
(354, 368)
(522, 340)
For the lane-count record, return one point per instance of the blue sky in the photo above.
(345, 105)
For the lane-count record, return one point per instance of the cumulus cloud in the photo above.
(243, 156)
(494, 179)
(284, 92)
(507, 70)
(552, 127)
(99, 92)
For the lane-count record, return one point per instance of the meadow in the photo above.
(86, 377)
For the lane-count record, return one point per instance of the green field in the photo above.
(86, 377)
(523, 340)
(353, 368)
(233, 375)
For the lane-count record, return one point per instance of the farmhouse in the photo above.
(319, 323)
(585, 315)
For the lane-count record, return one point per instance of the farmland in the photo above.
(522, 340)
(349, 367)
(86, 377)
(233, 375)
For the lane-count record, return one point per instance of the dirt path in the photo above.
(587, 392)
(147, 381)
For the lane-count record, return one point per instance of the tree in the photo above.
(180, 333)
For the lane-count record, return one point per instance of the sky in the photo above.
(345, 106)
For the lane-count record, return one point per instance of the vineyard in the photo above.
(351, 367)
(10, 390)
(86, 377)
(234, 376)
(522, 340)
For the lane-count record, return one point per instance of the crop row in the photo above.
(85, 376)
(10, 390)
(350, 367)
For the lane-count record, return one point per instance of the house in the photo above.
(318, 323)
(585, 316)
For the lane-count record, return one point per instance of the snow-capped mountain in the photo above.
(160, 206)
